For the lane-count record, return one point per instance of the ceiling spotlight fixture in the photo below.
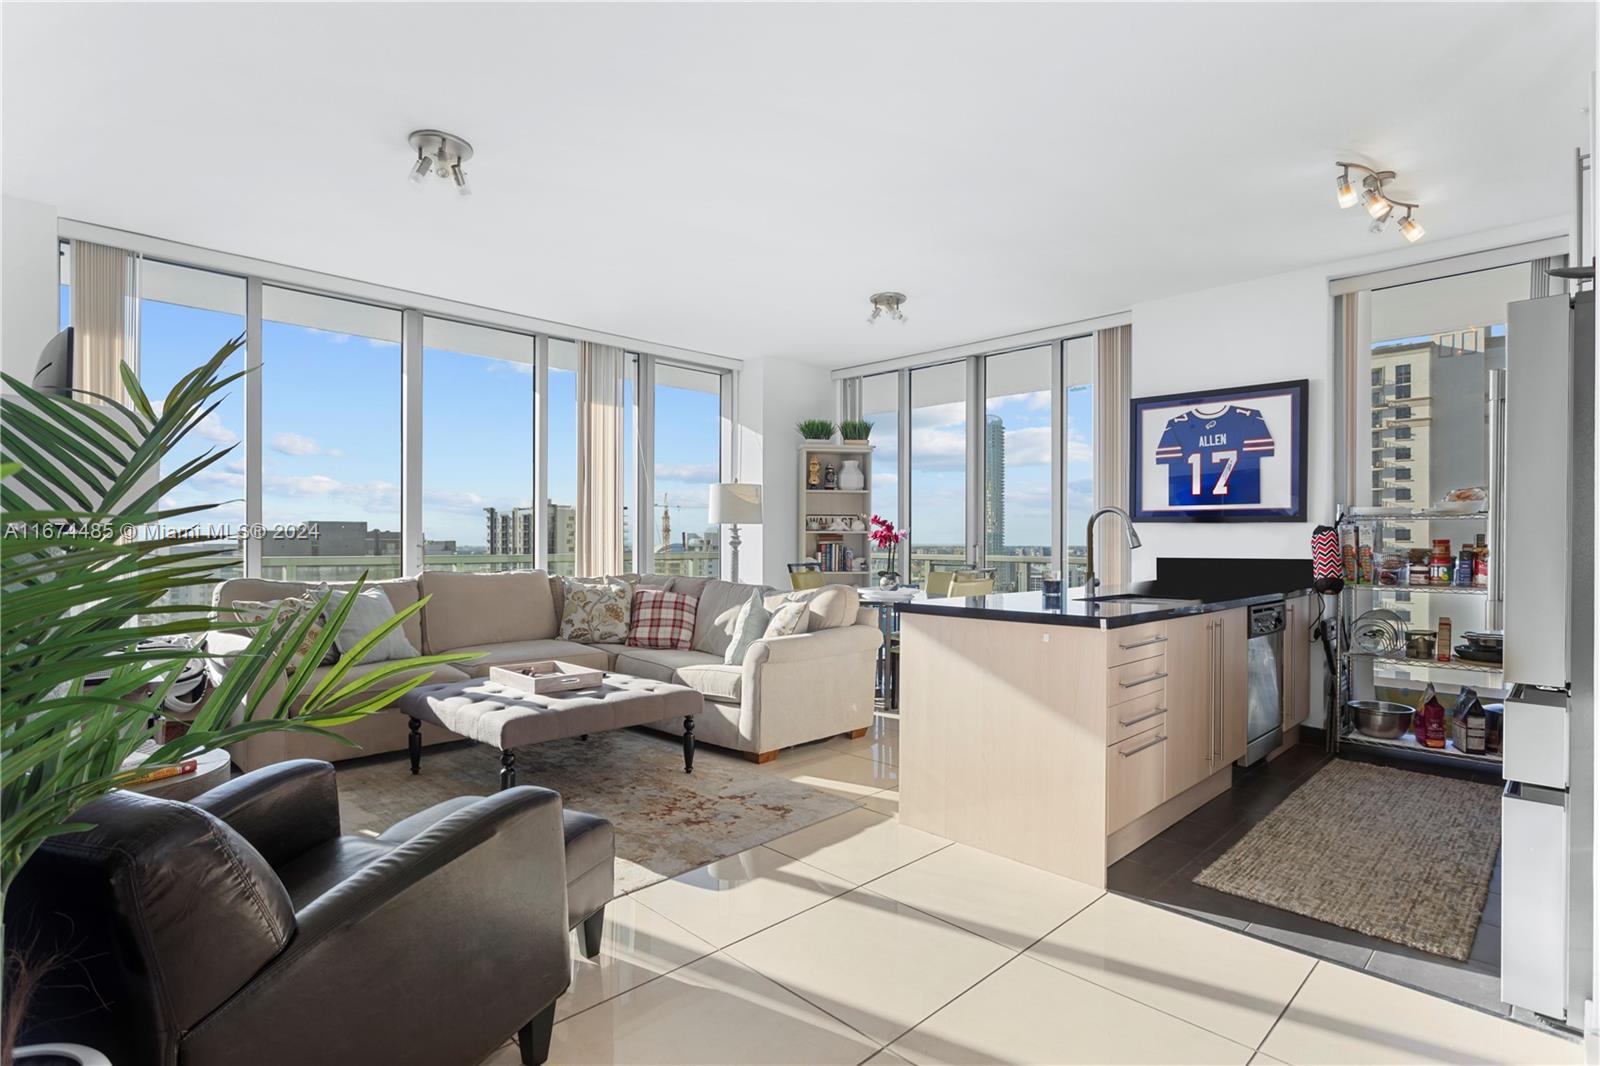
(1347, 192)
(1410, 228)
(887, 303)
(442, 154)
(1379, 204)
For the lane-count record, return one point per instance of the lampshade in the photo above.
(734, 503)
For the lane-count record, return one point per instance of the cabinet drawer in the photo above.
(1135, 642)
(1123, 720)
(1132, 680)
(1135, 777)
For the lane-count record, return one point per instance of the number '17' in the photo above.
(1226, 459)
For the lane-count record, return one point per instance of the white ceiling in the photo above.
(738, 178)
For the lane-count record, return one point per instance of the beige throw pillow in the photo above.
(594, 613)
(786, 621)
(289, 609)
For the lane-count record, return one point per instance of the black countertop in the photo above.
(1150, 604)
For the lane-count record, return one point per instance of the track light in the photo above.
(1371, 195)
(1347, 192)
(887, 303)
(441, 154)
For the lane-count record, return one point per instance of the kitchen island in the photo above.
(1065, 735)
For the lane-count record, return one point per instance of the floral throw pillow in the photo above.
(594, 614)
(662, 619)
(289, 611)
(786, 621)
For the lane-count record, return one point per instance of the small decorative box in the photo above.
(547, 677)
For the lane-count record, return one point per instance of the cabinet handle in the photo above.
(1141, 747)
(1216, 748)
(1143, 717)
(1135, 683)
(1141, 643)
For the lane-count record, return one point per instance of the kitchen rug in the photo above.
(666, 821)
(1392, 853)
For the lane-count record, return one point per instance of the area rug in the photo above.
(666, 821)
(1395, 854)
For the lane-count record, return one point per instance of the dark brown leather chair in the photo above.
(244, 929)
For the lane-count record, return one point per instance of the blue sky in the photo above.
(332, 422)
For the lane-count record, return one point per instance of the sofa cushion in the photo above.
(749, 626)
(661, 619)
(660, 664)
(402, 593)
(786, 621)
(714, 681)
(829, 607)
(437, 676)
(369, 609)
(528, 651)
(473, 609)
(720, 602)
(595, 613)
(290, 609)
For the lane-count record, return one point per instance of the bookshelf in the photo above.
(834, 522)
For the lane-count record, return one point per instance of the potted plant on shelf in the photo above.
(887, 539)
(87, 591)
(855, 431)
(816, 429)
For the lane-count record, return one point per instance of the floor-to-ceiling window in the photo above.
(561, 437)
(688, 461)
(185, 316)
(880, 405)
(630, 465)
(1077, 480)
(477, 447)
(938, 470)
(331, 437)
(1017, 476)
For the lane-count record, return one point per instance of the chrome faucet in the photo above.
(1090, 582)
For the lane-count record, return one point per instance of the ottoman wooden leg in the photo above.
(688, 743)
(415, 744)
(508, 769)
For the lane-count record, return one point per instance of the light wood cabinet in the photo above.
(1191, 703)
(1297, 660)
(1135, 777)
(1233, 683)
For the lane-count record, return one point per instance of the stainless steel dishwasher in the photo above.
(1264, 722)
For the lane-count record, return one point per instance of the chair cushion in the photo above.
(661, 619)
(595, 613)
(468, 610)
(527, 651)
(311, 874)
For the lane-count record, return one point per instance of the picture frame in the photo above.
(1235, 454)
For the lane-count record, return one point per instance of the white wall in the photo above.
(773, 396)
(1274, 329)
(29, 280)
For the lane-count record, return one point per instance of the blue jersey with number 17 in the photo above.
(1214, 458)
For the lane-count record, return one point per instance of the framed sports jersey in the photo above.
(1221, 455)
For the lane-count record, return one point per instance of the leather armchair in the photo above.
(243, 928)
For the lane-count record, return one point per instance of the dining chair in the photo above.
(963, 585)
(938, 583)
(807, 578)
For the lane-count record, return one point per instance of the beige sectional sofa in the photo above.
(787, 691)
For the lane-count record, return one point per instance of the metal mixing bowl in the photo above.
(1381, 719)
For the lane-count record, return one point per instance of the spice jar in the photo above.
(1441, 643)
(1442, 564)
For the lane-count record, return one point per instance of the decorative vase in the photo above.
(851, 479)
(889, 580)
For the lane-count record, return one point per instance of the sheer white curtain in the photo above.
(600, 459)
(102, 328)
(1113, 385)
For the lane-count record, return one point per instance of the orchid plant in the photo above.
(886, 538)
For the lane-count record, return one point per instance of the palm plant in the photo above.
(79, 475)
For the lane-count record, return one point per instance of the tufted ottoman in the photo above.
(492, 713)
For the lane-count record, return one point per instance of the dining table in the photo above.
(887, 603)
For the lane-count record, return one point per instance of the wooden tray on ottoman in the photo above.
(547, 677)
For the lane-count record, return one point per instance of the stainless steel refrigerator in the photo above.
(1547, 555)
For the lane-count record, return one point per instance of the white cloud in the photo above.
(372, 495)
(222, 478)
(298, 444)
(689, 473)
(463, 502)
(212, 429)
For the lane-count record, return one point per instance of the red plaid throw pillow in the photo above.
(661, 619)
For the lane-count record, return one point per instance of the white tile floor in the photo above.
(859, 940)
